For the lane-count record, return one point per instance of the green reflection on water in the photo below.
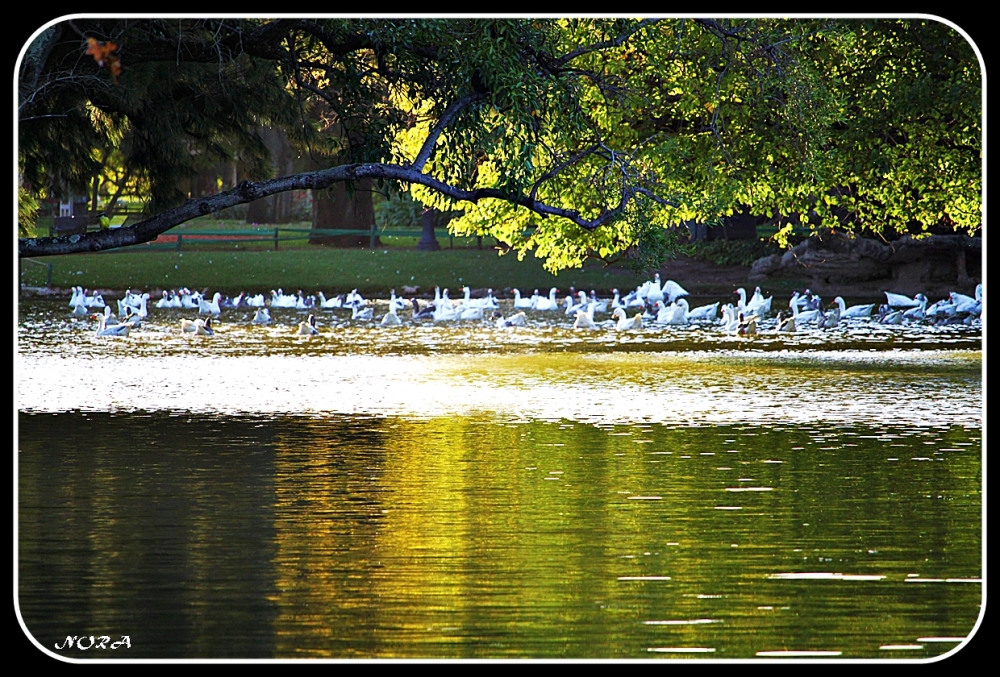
(491, 537)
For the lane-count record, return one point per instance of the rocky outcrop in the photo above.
(935, 264)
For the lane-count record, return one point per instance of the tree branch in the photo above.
(449, 114)
(247, 191)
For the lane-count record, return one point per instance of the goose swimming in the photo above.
(626, 323)
(309, 328)
(515, 320)
(391, 319)
(859, 311)
(900, 300)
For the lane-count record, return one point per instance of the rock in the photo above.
(935, 264)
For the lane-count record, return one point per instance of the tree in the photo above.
(569, 138)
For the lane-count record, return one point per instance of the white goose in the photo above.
(515, 320)
(785, 324)
(585, 318)
(655, 291)
(701, 313)
(335, 302)
(550, 303)
(917, 313)
(444, 311)
(968, 304)
(889, 316)
(600, 305)
(105, 329)
(520, 302)
(76, 298)
(964, 302)
(262, 316)
(757, 305)
(730, 321)
(279, 299)
(354, 299)
(390, 319)
(675, 313)
(616, 302)
(164, 302)
(308, 327)
(626, 323)
(198, 326)
(395, 302)
(210, 307)
(673, 291)
(255, 301)
(900, 300)
(359, 313)
(189, 299)
(804, 317)
(862, 311)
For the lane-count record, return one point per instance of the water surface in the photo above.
(462, 491)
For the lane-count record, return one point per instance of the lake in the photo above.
(459, 491)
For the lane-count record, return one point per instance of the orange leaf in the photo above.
(101, 51)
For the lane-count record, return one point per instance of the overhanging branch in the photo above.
(149, 229)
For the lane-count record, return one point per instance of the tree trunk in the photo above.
(334, 209)
(428, 241)
(275, 208)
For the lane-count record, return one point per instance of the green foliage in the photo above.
(398, 213)
(27, 213)
(730, 252)
(871, 124)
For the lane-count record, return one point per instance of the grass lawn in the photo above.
(316, 268)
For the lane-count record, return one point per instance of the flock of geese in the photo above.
(650, 304)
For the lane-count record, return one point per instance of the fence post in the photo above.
(48, 274)
(371, 241)
(179, 236)
(275, 239)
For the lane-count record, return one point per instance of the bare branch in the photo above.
(449, 114)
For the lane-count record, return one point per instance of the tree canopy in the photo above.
(566, 137)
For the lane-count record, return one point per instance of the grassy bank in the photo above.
(315, 268)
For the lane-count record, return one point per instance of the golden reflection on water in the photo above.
(476, 537)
